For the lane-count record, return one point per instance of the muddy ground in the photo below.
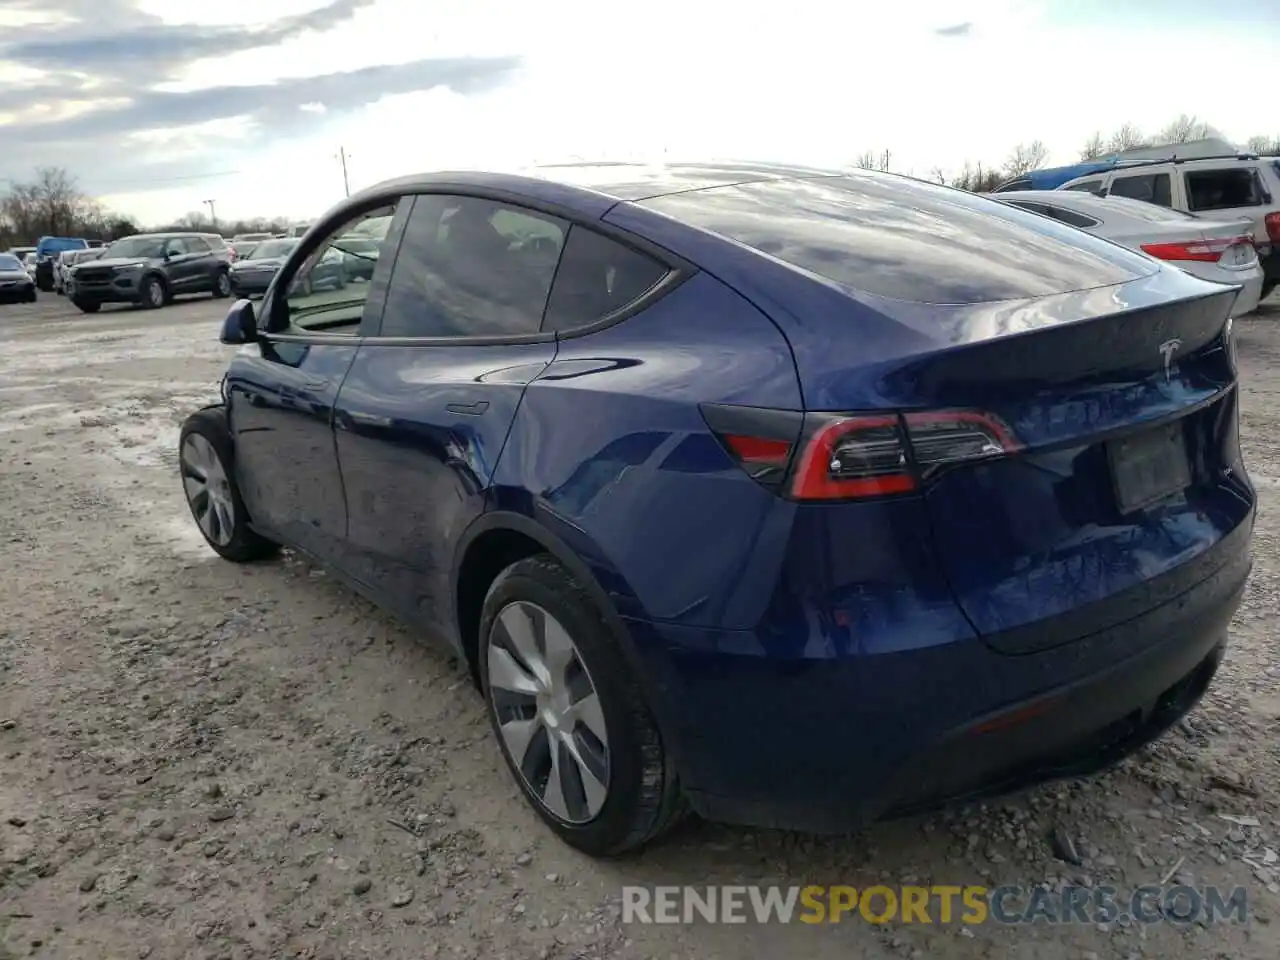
(205, 760)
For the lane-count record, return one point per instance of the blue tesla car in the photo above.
(789, 497)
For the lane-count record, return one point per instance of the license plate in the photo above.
(1149, 467)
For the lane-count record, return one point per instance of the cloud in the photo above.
(955, 30)
(87, 91)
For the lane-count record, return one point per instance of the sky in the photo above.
(157, 106)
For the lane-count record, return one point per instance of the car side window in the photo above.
(1151, 188)
(328, 290)
(470, 267)
(176, 246)
(597, 276)
(197, 245)
(1224, 189)
(1086, 186)
(1070, 217)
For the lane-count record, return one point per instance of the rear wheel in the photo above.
(206, 460)
(222, 284)
(569, 715)
(85, 306)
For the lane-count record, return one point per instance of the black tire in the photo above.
(221, 285)
(86, 306)
(31, 297)
(643, 796)
(244, 545)
(153, 294)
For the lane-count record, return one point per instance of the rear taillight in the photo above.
(824, 456)
(1203, 251)
(1272, 220)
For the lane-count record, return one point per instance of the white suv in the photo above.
(1225, 188)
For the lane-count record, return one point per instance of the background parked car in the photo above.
(47, 250)
(1221, 251)
(253, 273)
(66, 260)
(151, 269)
(1240, 186)
(29, 261)
(16, 284)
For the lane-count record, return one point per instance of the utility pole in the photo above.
(342, 158)
(212, 214)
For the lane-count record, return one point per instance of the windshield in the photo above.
(141, 247)
(8, 262)
(269, 249)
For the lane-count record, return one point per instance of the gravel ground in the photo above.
(205, 760)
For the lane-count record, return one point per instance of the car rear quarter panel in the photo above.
(610, 452)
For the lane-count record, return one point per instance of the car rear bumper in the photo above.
(833, 744)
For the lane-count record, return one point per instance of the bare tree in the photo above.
(866, 160)
(1264, 145)
(52, 204)
(1127, 137)
(938, 174)
(883, 163)
(1026, 156)
(1094, 147)
(1185, 129)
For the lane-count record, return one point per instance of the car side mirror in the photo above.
(241, 326)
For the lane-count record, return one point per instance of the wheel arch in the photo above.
(493, 542)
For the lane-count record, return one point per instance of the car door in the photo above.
(200, 263)
(281, 391)
(427, 405)
(178, 264)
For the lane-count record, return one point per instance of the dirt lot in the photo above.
(204, 760)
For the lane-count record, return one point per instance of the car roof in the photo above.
(563, 183)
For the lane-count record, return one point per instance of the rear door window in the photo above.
(470, 267)
(1087, 186)
(1150, 187)
(597, 277)
(1069, 217)
(1224, 189)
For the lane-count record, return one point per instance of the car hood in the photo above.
(116, 262)
(14, 275)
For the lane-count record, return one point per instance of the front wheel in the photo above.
(86, 306)
(569, 715)
(153, 294)
(206, 461)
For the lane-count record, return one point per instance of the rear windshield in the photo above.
(905, 239)
(1143, 211)
(9, 263)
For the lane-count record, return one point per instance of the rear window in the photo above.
(1150, 188)
(1069, 217)
(1224, 189)
(905, 239)
(1145, 211)
(1088, 186)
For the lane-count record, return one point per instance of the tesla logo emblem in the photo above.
(1167, 350)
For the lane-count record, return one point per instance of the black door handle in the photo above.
(469, 409)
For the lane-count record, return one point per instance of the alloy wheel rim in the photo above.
(548, 712)
(155, 294)
(208, 489)
(224, 283)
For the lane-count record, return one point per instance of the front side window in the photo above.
(469, 267)
(328, 291)
(1224, 189)
(176, 247)
(1150, 188)
(1086, 186)
(597, 277)
(197, 245)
